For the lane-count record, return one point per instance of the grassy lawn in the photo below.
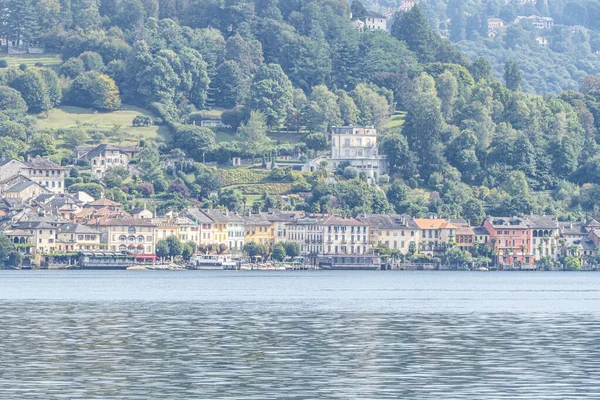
(396, 120)
(67, 116)
(30, 60)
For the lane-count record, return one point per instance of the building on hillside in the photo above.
(25, 190)
(496, 23)
(45, 172)
(141, 213)
(357, 147)
(406, 5)
(436, 234)
(537, 21)
(105, 156)
(12, 181)
(398, 232)
(541, 41)
(510, 238)
(375, 21)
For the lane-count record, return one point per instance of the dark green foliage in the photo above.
(94, 90)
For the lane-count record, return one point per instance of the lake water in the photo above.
(142, 335)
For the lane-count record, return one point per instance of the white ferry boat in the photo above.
(212, 262)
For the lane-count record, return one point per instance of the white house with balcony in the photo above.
(357, 146)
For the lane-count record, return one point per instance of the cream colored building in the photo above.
(345, 236)
(45, 172)
(375, 21)
(435, 234)
(75, 237)
(397, 232)
(127, 234)
(105, 156)
(357, 146)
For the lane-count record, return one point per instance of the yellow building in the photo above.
(259, 229)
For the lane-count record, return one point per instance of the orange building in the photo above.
(510, 238)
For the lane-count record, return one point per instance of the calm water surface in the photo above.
(299, 335)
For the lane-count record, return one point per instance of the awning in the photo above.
(140, 246)
(146, 256)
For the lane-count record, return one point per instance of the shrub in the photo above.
(350, 172)
(22, 67)
(146, 189)
(3, 63)
(142, 120)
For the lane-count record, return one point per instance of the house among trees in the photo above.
(357, 147)
(537, 21)
(105, 156)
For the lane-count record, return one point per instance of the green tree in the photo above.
(12, 103)
(53, 86)
(292, 249)
(271, 94)
(512, 75)
(32, 86)
(162, 249)
(94, 90)
(42, 145)
(175, 246)
(412, 28)
(114, 177)
(572, 263)
(131, 13)
(322, 111)
(254, 133)
(229, 84)
(278, 253)
(447, 90)
(21, 24)
(9, 255)
(149, 165)
(93, 189)
(195, 140)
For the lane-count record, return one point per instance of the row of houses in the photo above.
(61, 223)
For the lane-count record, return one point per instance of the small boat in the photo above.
(482, 269)
(138, 268)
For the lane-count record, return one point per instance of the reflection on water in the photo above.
(339, 347)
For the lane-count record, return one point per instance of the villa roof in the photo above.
(19, 187)
(434, 223)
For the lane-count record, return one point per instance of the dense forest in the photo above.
(470, 144)
(565, 54)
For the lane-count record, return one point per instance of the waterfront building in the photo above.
(436, 234)
(76, 237)
(344, 236)
(259, 229)
(127, 234)
(510, 238)
(398, 232)
(545, 232)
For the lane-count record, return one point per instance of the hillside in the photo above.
(254, 81)
(553, 59)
